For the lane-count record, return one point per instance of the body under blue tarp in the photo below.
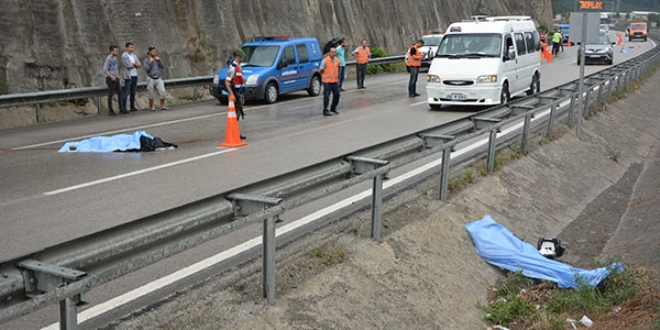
(119, 142)
(498, 246)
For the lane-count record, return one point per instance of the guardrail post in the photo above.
(68, 314)
(37, 109)
(269, 259)
(248, 204)
(585, 108)
(525, 136)
(571, 111)
(599, 98)
(360, 165)
(618, 82)
(195, 93)
(444, 174)
(491, 151)
(376, 207)
(551, 120)
(609, 88)
(98, 105)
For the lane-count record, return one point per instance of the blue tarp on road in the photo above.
(498, 246)
(119, 142)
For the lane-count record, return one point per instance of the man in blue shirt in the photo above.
(341, 52)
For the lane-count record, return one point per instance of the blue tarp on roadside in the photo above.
(119, 142)
(498, 246)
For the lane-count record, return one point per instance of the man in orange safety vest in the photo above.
(330, 77)
(413, 62)
(362, 55)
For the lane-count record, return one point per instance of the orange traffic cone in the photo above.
(232, 134)
(548, 55)
(568, 44)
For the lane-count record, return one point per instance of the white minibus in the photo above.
(485, 61)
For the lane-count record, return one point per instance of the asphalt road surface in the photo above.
(48, 198)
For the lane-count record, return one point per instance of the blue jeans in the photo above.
(342, 75)
(412, 83)
(130, 86)
(327, 88)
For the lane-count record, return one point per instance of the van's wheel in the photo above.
(504, 98)
(535, 87)
(315, 86)
(271, 93)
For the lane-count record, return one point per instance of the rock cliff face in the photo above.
(56, 44)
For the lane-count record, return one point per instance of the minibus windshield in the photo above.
(470, 45)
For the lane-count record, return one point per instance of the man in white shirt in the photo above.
(131, 64)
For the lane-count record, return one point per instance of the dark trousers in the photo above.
(412, 83)
(342, 75)
(361, 73)
(327, 88)
(555, 48)
(130, 86)
(238, 103)
(114, 87)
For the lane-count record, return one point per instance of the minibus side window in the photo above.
(508, 44)
(520, 44)
(529, 40)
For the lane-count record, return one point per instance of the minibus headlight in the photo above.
(252, 80)
(487, 79)
(216, 80)
(432, 78)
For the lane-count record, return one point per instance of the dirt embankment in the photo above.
(599, 195)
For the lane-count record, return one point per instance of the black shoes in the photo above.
(112, 113)
(326, 113)
(124, 112)
(335, 112)
(243, 137)
(417, 94)
(135, 109)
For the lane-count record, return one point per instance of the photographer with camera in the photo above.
(153, 64)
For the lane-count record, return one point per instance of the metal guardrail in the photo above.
(36, 99)
(65, 272)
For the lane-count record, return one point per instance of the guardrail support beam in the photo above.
(524, 145)
(434, 140)
(491, 151)
(551, 120)
(269, 259)
(483, 122)
(40, 277)
(361, 165)
(518, 109)
(444, 175)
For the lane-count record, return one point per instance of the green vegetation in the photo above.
(457, 183)
(331, 257)
(382, 68)
(620, 302)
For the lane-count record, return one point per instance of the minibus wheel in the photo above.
(504, 98)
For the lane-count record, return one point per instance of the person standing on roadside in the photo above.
(362, 55)
(413, 62)
(111, 72)
(235, 84)
(330, 77)
(152, 65)
(131, 64)
(341, 55)
(556, 40)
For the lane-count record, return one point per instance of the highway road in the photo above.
(47, 197)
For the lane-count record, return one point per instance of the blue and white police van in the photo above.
(273, 66)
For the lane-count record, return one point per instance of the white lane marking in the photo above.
(115, 131)
(146, 170)
(148, 288)
(418, 103)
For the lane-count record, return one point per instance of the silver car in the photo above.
(600, 52)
